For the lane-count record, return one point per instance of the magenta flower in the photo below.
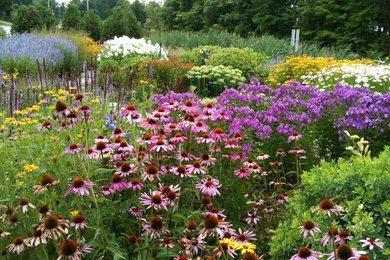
(129, 110)
(178, 138)
(101, 138)
(79, 186)
(243, 173)
(309, 227)
(135, 184)
(79, 222)
(126, 169)
(125, 147)
(45, 125)
(155, 200)
(135, 211)
(207, 160)
(118, 183)
(17, 245)
(209, 186)
(166, 242)
(327, 207)
(218, 135)
(342, 236)
(181, 170)
(345, 252)
(195, 245)
(150, 124)
(371, 243)
(195, 168)
(262, 156)
(106, 190)
(305, 253)
(117, 132)
(155, 227)
(160, 146)
(328, 236)
(205, 139)
(252, 217)
(150, 173)
(244, 237)
(185, 156)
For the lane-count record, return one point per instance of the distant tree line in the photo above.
(364, 25)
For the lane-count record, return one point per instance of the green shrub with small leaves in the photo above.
(251, 63)
(210, 81)
(199, 55)
(360, 185)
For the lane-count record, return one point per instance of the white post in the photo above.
(87, 5)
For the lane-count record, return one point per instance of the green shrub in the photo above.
(359, 184)
(72, 17)
(92, 24)
(199, 55)
(2, 33)
(210, 81)
(251, 64)
(27, 18)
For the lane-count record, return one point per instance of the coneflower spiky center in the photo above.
(326, 204)
(156, 223)
(308, 224)
(210, 222)
(78, 182)
(51, 222)
(18, 240)
(68, 247)
(304, 252)
(116, 178)
(46, 179)
(344, 251)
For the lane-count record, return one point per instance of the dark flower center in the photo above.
(156, 223)
(36, 233)
(344, 252)
(9, 211)
(210, 222)
(51, 222)
(156, 199)
(123, 144)
(132, 239)
(172, 126)
(189, 103)
(158, 115)
(60, 106)
(343, 234)
(250, 256)
(205, 200)
(135, 181)
(218, 130)
(78, 219)
(206, 136)
(225, 246)
(101, 146)
(68, 247)
(181, 169)
(18, 241)
(131, 107)
(73, 146)
(205, 156)
(196, 164)
(160, 142)
(304, 252)
(151, 121)
(117, 140)
(152, 169)
(227, 235)
(116, 178)
(372, 241)
(242, 237)
(165, 189)
(192, 225)
(334, 231)
(105, 187)
(14, 219)
(214, 210)
(23, 202)
(178, 135)
(171, 195)
(208, 183)
(84, 108)
(46, 124)
(326, 204)
(308, 224)
(78, 182)
(46, 179)
(79, 97)
(166, 240)
(117, 130)
(125, 167)
(161, 109)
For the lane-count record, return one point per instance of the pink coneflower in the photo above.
(195, 168)
(343, 236)
(118, 183)
(85, 109)
(44, 211)
(309, 227)
(117, 132)
(91, 153)
(244, 237)
(150, 173)
(252, 217)
(135, 211)
(282, 198)
(53, 227)
(195, 245)
(275, 163)
(185, 156)
(155, 227)
(132, 119)
(101, 138)
(169, 128)
(62, 108)
(209, 186)
(8, 212)
(45, 125)
(160, 146)
(125, 147)
(297, 149)
(74, 148)
(212, 225)
(36, 239)
(327, 207)
(187, 122)
(371, 243)
(294, 137)
(135, 184)
(24, 204)
(73, 117)
(225, 247)
(218, 135)
(178, 138)
(258, 202)
(231, 144)
(171, 105)
(69, 249)
(305, 253)
(166, 242)
(262, 156)
(4, 234)
(276, 183)
(102, 148)
(205, 138)
(207, 160)
(189, 107)
(243, 173)
(79, 186)
(345, 252)
(332, 232)
(206, 201)
(215, 212)
(150, 124)
(126, 169)
(46, 181)
(65, 125)
(147, 138)
(181, 171)
(191, 226)
(155, 200)
(106, 190)
(200, 127)
(17, 245)
(220, 115)
(129, 110)
(79, 222)
(280, 152)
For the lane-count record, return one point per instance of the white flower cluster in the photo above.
(124, 46)
(376, 77)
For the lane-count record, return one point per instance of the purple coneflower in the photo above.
(118, 183)
(212, 225)
(332, 232)
(195, 245)
(243, 173)
(129, 110)
(209, 186)
(166, 242)
(195, 168)
(44, 211)
(125, 147)
(160, 146)
(3, 233)
(79, 222)
(309, 227)
(135, 184)
(62, 108)
(70, 249)
(244, 237)
(101, 138)
(149, 124)
(155, 227)
(150, 173)
(74, 148)
(342, 236)
(126, 169)
(178, 138)
(218, 135)
(17, 245)
(106, 190)
(181, 170)
(46, 181)
(262, 156)
(24, 204)
(371, 243)
(294, 137)
(252, 217)
(207, 160)
(205, 138)
(135, 211)
(37, 238)
(185, 156)
(345, 252)
(101, 147)
(305, 253)
(189, 107)
(45, 125)
(215, 212)
(327, 207)
(53, 227)
(117, 132)
(85, 109)
(155, 200)
(200, 127)
(79, 186)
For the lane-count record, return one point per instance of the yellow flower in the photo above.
(95, 101)
(21, 183)
(230, 243)
(2, 127)
(107, 155)
(1, 114)
(21, 173)
(30, 167)
(74, 212)
(1, 146)
(80, 136)
(5, 77)
(71, 88)
(53, 138)
(246, 248)
(143, 81)
(42, 101)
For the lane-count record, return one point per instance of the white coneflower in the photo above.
(17, 245)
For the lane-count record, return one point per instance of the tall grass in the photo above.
(268, 44)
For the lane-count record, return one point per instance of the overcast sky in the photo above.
(146, 1)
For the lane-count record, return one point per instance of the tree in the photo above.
(5, 9)
(122, 22)
(72, 17)
(139, 11)
(47, 17)
(91, 23)
(25, 19)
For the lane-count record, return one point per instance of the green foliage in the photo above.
(251, 64)
(210, 81)
(71, 18)
(27, 18)
(121, 22)
(199, 55)
(359, 184)
(2, 33)
(92, 24)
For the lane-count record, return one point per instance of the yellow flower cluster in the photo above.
(30, 167)
(23, 121)
(93, 47)
(243, 248)
(23, 112)
(296, 66)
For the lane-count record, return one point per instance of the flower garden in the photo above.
(123, 151)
